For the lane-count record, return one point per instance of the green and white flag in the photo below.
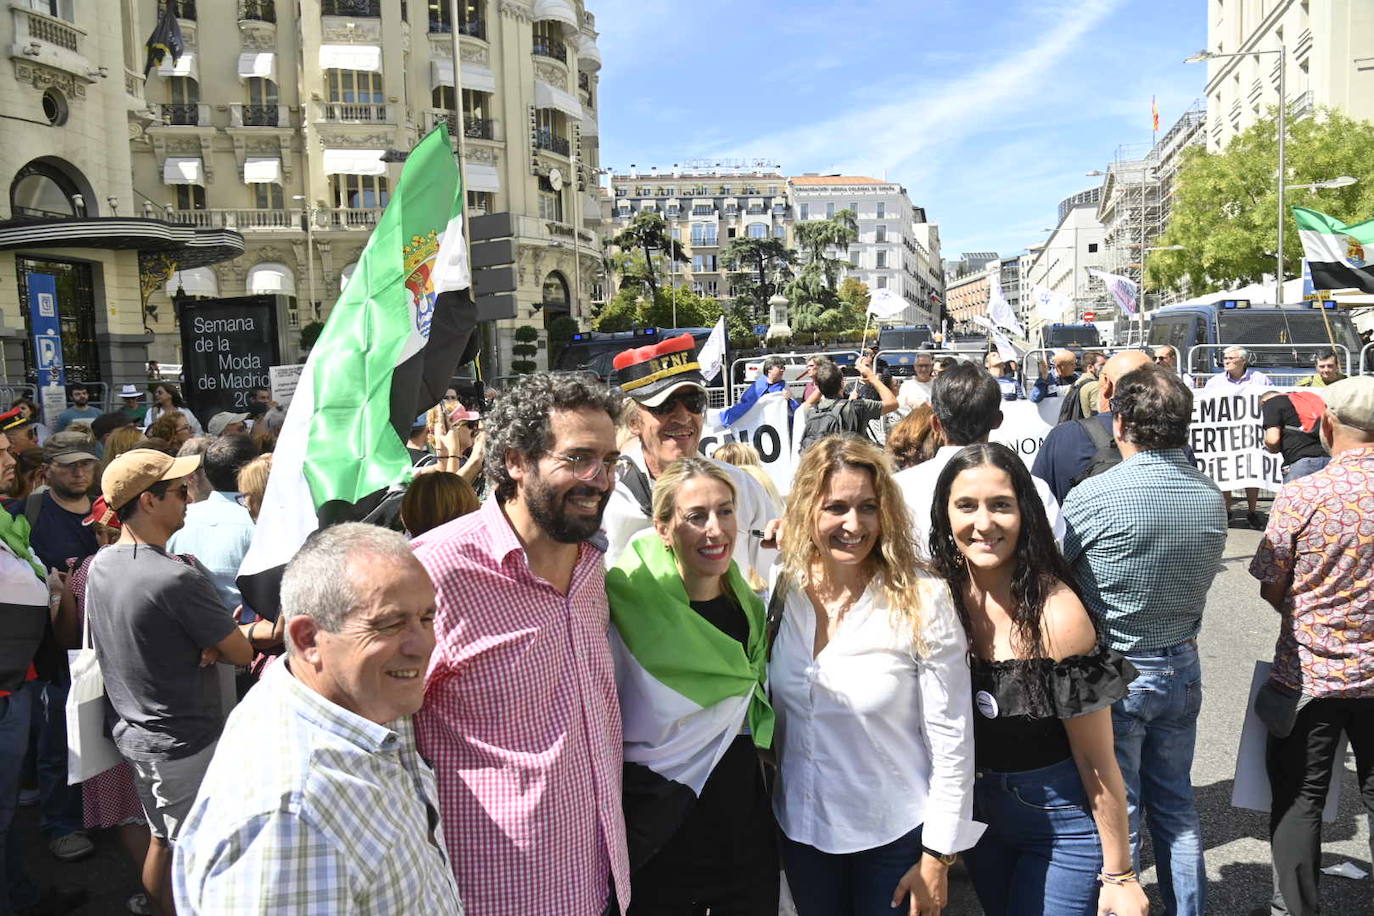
(687, 690)
(392, 342)
(1341, 256)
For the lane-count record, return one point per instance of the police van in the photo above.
(1283, 341)
(595, 351)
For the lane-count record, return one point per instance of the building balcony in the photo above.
(133, 90)
(354, 112)
(258, 11)
(547, 140)
(474, 128)
(48, 40)
(345, 219)
(241, 220)
(366, 9)
(184, 9)
(190, 114)
(1300, 106)
(440, 25)
(241, 115)
(550, 47)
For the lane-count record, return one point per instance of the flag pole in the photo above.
(460, 128)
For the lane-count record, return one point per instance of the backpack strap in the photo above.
(1093, 427)
(638, 484)
(776, 601)
(33, 506)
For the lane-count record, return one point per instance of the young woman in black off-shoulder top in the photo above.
(1047, 782)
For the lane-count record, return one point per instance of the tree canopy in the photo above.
(1225, 204)
(630, 309)
(646, 234)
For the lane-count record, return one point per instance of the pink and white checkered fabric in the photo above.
(522, 726)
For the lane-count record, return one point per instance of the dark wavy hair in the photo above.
(1155, 408)
(519, 419)
(1038, 563)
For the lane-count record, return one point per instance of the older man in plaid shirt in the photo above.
(1145, 539)
(316, 800)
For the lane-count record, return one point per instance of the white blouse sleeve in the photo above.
(946, 706)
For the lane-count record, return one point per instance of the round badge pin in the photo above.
(986, 703)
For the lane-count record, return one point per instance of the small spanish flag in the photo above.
(1154, 110)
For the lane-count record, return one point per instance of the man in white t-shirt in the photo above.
(968, 407)
(916, 391)
(1237, 372)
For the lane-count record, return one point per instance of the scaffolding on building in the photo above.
(1137, 199)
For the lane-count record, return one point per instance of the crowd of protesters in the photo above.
(573, 666)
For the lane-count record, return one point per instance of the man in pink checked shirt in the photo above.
(520, 720)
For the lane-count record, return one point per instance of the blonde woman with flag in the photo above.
(871, 689)
(690, 647)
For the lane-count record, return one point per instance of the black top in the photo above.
(1295, 444)
(1019, 705)
(725, 614)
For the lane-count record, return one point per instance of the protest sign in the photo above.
(284, 381)
(227, 348)
(1227, 438)
(1025, 426)
(766, 428)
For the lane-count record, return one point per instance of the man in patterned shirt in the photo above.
(341, 815)
(1145, 539)
(1316, 567)
(520, 718)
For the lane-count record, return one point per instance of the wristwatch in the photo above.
(942, 858)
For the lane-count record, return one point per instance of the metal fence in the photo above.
(1283, 375)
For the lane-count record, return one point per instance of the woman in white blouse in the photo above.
(166, 398)
(871, 689)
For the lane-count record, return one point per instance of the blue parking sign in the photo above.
(47, 331)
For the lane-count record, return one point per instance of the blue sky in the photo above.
(988, 111)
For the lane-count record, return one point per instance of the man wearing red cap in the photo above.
(669, 394)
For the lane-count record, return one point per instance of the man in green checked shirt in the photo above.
(317, 800)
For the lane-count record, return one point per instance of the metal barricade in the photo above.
(736, 388)
(1366, 366)
(1201, 370)
(100, 395)
(10, 393)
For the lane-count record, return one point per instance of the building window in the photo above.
(703, 263)
(880, 283)
(881, 212)
(550, 131)
(369, 9)
(704, 234)
(779, 231)
(190, 197)
(829, 211)
(76, 310)
(480, 202)
(550, 201)
(854, 207)
(702, 210)
(360, 192)
(41, 190)
(880, 233)
(261, 110)
(548, 40)
(881, 259)
(802, 211)
(1092, 248)
(757, 231)
(185, 104)
(268, 196)
(355, 87)
(185, 9)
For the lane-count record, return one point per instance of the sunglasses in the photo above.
(694, 401)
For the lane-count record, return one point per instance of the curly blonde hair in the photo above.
(894, 553)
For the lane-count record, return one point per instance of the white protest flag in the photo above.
(1123, 289)
(712, 353)
(1050, 302)
(1000, 310)
(886, 305)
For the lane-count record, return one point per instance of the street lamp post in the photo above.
(1282, 52)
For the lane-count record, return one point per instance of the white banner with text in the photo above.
(766, 428)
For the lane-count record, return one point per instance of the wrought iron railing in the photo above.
(258, 10)
(182, 114)
(545, 46)
(548, 140)
(370, 9)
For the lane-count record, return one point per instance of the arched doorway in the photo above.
(41, 190)
(559, 325)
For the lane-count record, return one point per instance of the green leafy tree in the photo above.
(739, 322)
(524, 349)
(855, 293)
(620, 312)
(646, 234)
(765, 259)
(629, 310)
(817, 237)
(309, 334)
(1225, 203)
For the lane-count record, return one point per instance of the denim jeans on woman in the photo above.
(848, 884)
(1041, 853)
(1156, 732)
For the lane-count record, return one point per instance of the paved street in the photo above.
(1238, 630)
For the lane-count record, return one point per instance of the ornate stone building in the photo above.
(288, 122)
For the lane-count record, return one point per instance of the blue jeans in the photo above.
(1156, 731)
(16, 889)
(60, 803)
(1304, 466)
(1041, 853)
(848, 884)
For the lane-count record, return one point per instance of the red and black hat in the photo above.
(17, 417)
(651, 374)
